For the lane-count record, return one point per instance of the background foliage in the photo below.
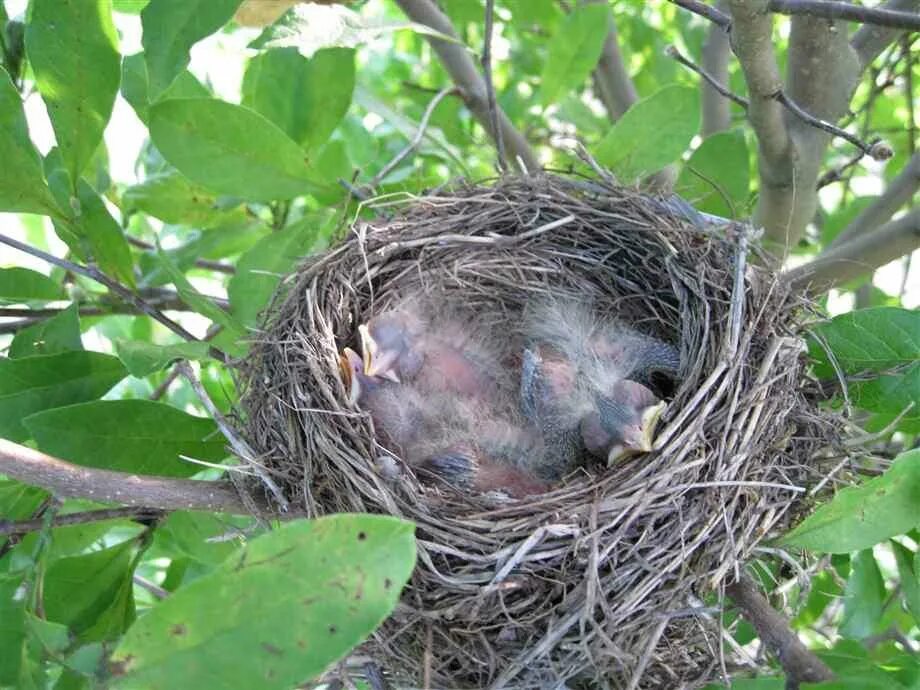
(193, 161)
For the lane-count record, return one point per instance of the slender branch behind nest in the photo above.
(800, 664)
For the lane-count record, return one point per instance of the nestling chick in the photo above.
(463, 442)
(609, 405)
(435, 349)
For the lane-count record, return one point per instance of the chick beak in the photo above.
(377, 362)
(643, 437)
(350, 363)
(650, 417)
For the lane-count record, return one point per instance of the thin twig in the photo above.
(704, 10)
(93, 273)
(879, 151)
(416, 140)
(239, 445)
(674, 53)
(151, 587)
(139, 513)
(486, 62)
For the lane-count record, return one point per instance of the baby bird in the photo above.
(609, 406)
(463, 443)
(436, 350)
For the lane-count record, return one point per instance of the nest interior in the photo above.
(602, 580)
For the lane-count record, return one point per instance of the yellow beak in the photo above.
(376, 363)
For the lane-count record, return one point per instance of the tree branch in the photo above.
(486, 63)
(798, 662)
(870, 40)
(8, 527)
(836, 9)
(899, 192)
(614, 86)
(716, 52)
(74, 481)
(462, 69)
(858, 256)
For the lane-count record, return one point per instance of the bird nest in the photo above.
(613, 576)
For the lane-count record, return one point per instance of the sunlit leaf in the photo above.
(22, 180)
(668, 120)
(173, 198)
(73, 50)
(261, 268)
(51, 336)
(861, 516)
(310, 27)
(574, 50)
(332, 581)
(135, 89)
(229, 149)
(877, 339)
(143, 359)
(863, 598)
(138, 436)
(909, 577)
(25, 286)
(171, 28)
(33, 384)
(306, 98)
(715, 179)
(92, 593)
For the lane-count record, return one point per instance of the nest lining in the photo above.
(599, 580)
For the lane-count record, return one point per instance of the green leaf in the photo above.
(197, 301)
(651, 134)
(73, 48)
(92, 594)
(187, 534)
(171, 28)
(12, 629)
(311, 27)
(173, 198)
(306, 98)
(89, 227)
(333, 580)
(135, 90)
(574, 50)
(129, 6)
(60, 333)
(24, 286)
(715, 179)
(33, 384)
(864, 597)
(143, 359)
(909, 576)
(229, 149)
(138, 436)
(22, 181)
(890, 394)
(875, 339)
(880, 339)
(260, 269)
(862, 516)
